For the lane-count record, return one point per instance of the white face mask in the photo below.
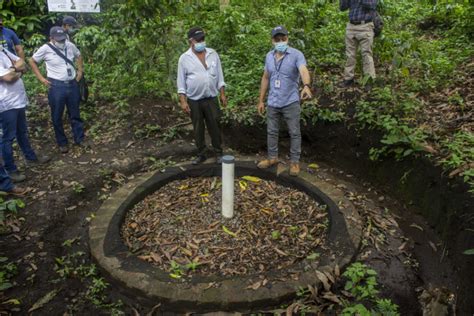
(60, 45)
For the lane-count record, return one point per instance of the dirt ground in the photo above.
(47, 241)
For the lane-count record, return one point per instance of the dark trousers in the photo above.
(206, 111)
(6, 184)
(14, 126)
(65, 94)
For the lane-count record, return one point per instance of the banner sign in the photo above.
(73, 6)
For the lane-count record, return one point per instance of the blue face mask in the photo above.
(200, 47)
(281, 47)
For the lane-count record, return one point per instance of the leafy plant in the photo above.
(9, 207)
(7, 271)
(73, 266)
(77, 187)
(361, 282)
(359, 310)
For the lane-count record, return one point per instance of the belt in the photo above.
(360, 22)
(62, 81)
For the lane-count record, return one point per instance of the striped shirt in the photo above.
(359, 10)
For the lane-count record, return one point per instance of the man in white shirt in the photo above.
(13, 102)
(62, 81)
(200, 80)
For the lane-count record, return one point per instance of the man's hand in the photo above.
(11, 77)
(306, 93)
(79, 75)
(261, 108)
(185, 106)
(223, 100)
(45, 82)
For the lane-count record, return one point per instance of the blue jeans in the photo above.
(291, 115)
(14, 126)
(65, 94)
(6, 184)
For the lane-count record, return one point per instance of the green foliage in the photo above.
(177, 271)
(362, 284)
(460, 149)
(362, 281)
(25, 16)
(77, 187)
(132, 49)
(385, 307)
(9, 207)
(358, 309)
(7, 271)
(393, 117)
(73, 265)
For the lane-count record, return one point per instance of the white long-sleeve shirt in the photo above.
(197, 82)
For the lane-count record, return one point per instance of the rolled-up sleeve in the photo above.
(39, 55)
(220, 74)
(181, 81)
(300, 60)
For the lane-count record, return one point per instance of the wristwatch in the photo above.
(307, 85)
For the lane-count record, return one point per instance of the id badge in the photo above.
(69, 72)
(277, 84)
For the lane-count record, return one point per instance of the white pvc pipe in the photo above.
(228, 168)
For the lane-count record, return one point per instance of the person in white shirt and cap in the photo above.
(13, 102)
(62, 58)
(200, 80)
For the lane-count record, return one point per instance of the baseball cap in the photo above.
(196, 33)
(69, 20)
(279, 30)
(57, 33)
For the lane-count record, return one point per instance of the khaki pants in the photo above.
(363, 35)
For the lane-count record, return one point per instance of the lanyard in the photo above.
(11, 60)
(65, 55)
(278, 67)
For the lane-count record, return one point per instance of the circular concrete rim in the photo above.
(149, 283)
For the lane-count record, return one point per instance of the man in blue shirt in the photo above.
(284, 66)
(200, 80)
(359, 31)
(10, 41)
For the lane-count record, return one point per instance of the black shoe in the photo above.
(41, 160)
(347, 83)
(199, 160)
(16, 176)
(85, 144)
(63, 149)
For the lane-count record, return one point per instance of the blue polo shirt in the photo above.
(286, 71)
(9, 40)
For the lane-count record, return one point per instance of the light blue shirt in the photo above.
(197, 82)
(284, 77)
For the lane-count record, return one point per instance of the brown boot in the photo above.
(18, 191)
(294, 169)
(267, 163)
